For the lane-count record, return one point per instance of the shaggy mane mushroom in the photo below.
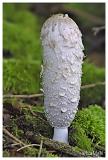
(62, 70)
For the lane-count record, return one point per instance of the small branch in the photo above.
(15, 144)
(96, 30)
(29, 145)
(92, 85)
(13, 137)
(40, 149)
(22, 96)
(90, 17)
(41, 94)
(57, 146)
(18, 141)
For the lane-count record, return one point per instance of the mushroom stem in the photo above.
(61, 134)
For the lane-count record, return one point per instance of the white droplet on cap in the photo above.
(52, 104)
(66, 15)
(74, 100)
(62, 94)
(63, 109)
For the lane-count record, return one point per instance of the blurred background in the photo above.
(86, 15)
(22, 50)
(22, 59)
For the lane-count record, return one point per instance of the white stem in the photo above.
(61, 134)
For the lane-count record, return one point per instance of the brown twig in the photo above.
(92, 85)
(88, 16)
(29, 145)
(15, 144)
(41, 94)
(23, 96)
(57, 146)
(18, 141)
(96, 30)
(12, 136)
(40, 149)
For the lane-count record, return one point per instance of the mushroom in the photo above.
(62, 70)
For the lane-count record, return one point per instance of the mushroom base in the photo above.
(61, 135)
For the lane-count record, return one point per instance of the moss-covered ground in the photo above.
(86, 133)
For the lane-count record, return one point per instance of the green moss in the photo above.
(21, 77)
(45, 153)
(80, 139)
(33, 118)
(39, 109)
(38, 124)
(16, 14)
(21, 42)
(30, 152)
(17, 132)
(33, 152)
(88, 128)
(92, 75)
(8, 10)
(6, 153)
(21, 32)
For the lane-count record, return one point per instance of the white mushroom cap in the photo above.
(62, 69)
